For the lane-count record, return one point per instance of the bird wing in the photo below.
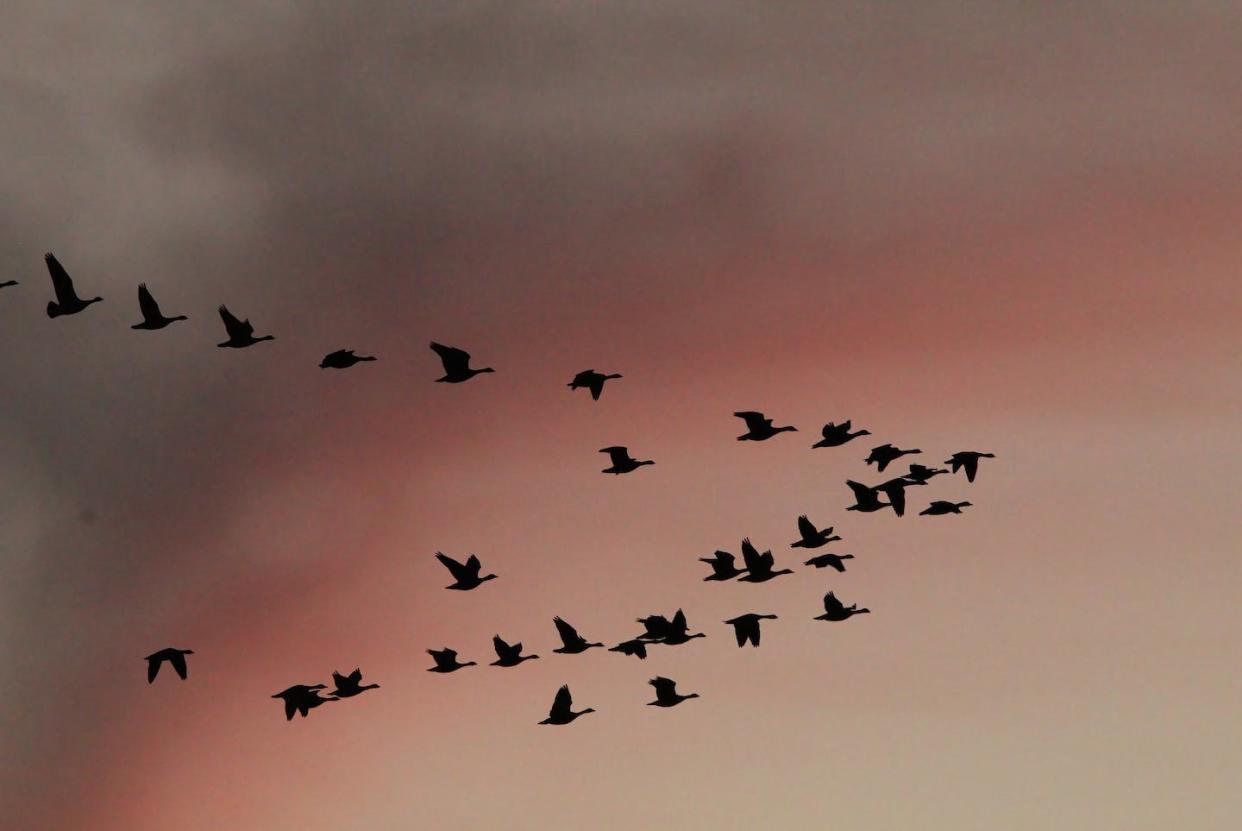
(807, 528)
(596, 385)
(657, 626)
(454, 359)
(619, 455)
(237, 329)
(897, 498)
(153, 668)
(291, 707)
(862, 493)
(754, 421)
(340, 680)
(177, 659)
(146, 303)
(741, 628)
(62, 284)
(664, 687)
(473, 565)
(832, 605)
(459, 571)
(846, 425)
(751, 556)
(569, 635)
(971, 465)
(679, 623)
(562, 704)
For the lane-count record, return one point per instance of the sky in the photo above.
(1006, 227)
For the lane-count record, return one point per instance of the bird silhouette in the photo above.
(8, 283)
(67, 301)
(836, 561)
(723, 567)
(174, 656)
(865, 499)
(634, 647)
(240, 332)
(895, 490)
(679, 631)
(456, 364)
(885, 454)
(940, 507)
(968, 460)
(446, 660)
(562, 708)
(509, 655)
(746, 627)
(465, 575)
(922, 475)
(666, 693)
(759, 566)
(592, 380)
(152, 317)
(759, 428)
(836, 435)
(622, 462)
(302, 698)
(835, 610)
(572, 642)
(350, 685)
(812, 537)
(343, 359)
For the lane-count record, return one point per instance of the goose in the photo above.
(592, 380)
(746, 627)
(622, 462)
(836, 435)
(456, 364)
(446, 660)
(812, 537)
(633, 647)
(885, 454)
(836, 561)
(759, 566)
(152, 317)
(655, 628)
(175, 657)
(572, 642)
(940, 507)
(968, 460)
(8, 283)
(759, 428)
(350, 685)
(465, 575)
(562, 708)
(835, 610)
(509, 655)
(723, 567)
(895, 490)
(865, 498)
(666, 693)
(301, 698)
(343, 359)
(67, 301)
(679, 631)
(921, 475)
(240, 332)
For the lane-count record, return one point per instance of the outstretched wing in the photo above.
(562, 704)
(454, 359)
(62, 284)
(664, 687)
(237, 329)
(340, 680)
(569, 635)
(751, 556)
(679, 623)
(177, 659)
(971, 465)
(146, 303)
(153, 668)
(596, 386)
(832, 605)
(807, 528)
(459, 571)
(862, 493)
(504, 650)
(619, 454)
(754, 421)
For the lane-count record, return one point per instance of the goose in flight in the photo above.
(746, 627)
(350, 685)
(666, 693)
(633, 647)
(465, 575)
(240, 332)
(723, 566)
(152, 317)
(175, 657)
(301, 698)
(835, 610)
(759, 428)
(895, 490)
(562, 711)
(886, 454)
(921, 475)
(572, 642)
(456, 364)
(8, 283)
(968, 460)
(759, 566)
(67, 301)
(622, 462)
(343, 359)
(836, 435)
(446, 660)
(940, 507)
(812, 537)
(679, 631)
(592, 380)
(866, 499)
(829, 560)
(509, 655)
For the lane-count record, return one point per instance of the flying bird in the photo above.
(465, 575)
(666, 693)
(812, 537)
(759, 566)
(759, 428)
(940, 507)
(350, 685)
(456, 364)
(572, 642)
(592, 380)
(8, 283)
(509, 655)
(446, 660)
(921, 475)
(622, 462)
(836, 561)
(655, 628)
(343, 359)
(174, 656)
(723, 567)
(746, 627)
(67, 301)
(865, 499)
(679, 631)
(885, 454)
(835, 610)
(240, 332)
(836, 435)
(633, 647)
(152, 317)
(895, 490)
(301, 698)
(968, 460)
(562, 708)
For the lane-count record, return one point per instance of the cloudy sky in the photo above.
(1009, 227)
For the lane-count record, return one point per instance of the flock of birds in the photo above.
(658, 629)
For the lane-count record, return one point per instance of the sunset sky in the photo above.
(1008, 227)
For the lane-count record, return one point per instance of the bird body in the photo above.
(152, 317)
(592, 380)
(836, 561)
(350, 685)
(343, 359)
(562, 711)
(174, 656)
(836, 611)
(509, 655)
(571, 642)
(812, 537)
(456, 364)
(746, 627)
(758, 427)
(240, 332)
(759, 567)
(622, 462)
(865, 499)
(446, 660)
(723, 566)
(968, 460)
(941, 507)
(885, 454)
(67, 301)
(465, 575)
(835, 435)
(666, 693)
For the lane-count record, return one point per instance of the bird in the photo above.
(895, 490)
(634, 647)
(174, 656)
(746, 627)
(302, 698)
(759, 428)
(836, 561)
(8, 283)
(152, 317)
(562, 708)
(456, 364)
(666, 693)
(343, 359)
(446, 660)
(67, 301)
(921, 474)
(350, 685)
(723, 567)
(835, 610)
(679, 631)
(240, 332)
(572, 642)
(836, 435)
(509, 655)
(592, 380)
(622, 462)
(884, 454)
(940, 507)
(968, 460)
(759, 566)
(812, 537)
(865, 498)
(465, 575)
(656, 628)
